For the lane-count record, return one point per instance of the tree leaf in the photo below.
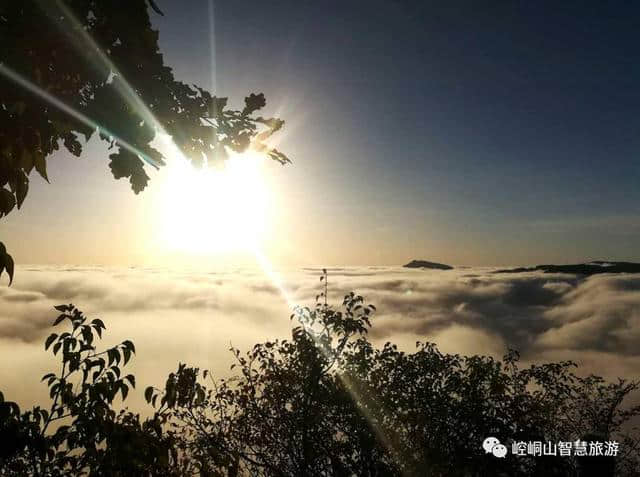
(41, 165)
(50, 340)
(47, 376)
(129, 345)
(155, 7)
(7, 201)
(124, 389)
(98, 323)
(127, 355)
(8, 264)
(26, 160)
(59, 320)
(22, 187)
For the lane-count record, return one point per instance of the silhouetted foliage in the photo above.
(6, 262)
(80, 432)
(101, 58)
(325, 402)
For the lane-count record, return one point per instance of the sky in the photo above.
(500, 134)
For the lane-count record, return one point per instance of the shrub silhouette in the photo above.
(325, 402)
(80, 432)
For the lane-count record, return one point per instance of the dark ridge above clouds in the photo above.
(426, 264)
(591, 268)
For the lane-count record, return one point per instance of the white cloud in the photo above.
(194, 316)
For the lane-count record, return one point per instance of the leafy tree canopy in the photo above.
(101, 62)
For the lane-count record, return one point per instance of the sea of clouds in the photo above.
(196, 316)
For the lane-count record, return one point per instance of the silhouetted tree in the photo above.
(80, 432)
(327, 402)
(100, 59)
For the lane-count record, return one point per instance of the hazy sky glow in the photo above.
(495, 135)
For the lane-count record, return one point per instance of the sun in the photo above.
(214, 210)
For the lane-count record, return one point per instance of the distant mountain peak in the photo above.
(589, 268)
(426, 264)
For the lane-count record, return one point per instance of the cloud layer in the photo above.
(195, 316)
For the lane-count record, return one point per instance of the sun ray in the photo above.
(369, 409)
(212, 47)
(273, 276)
(52, 100)
(95, 55)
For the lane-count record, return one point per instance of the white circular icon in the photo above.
(499, 451)
(489, 443)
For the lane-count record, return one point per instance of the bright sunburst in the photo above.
(214, 210)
